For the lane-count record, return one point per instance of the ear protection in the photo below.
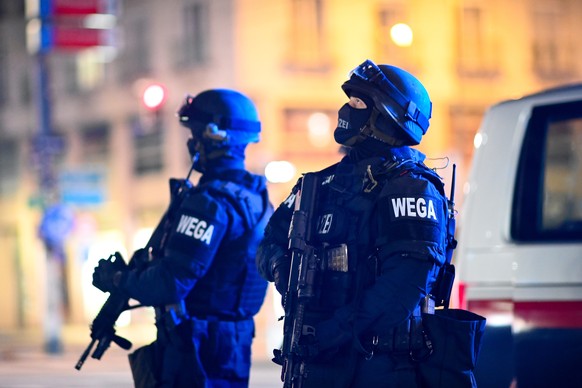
(213, 133)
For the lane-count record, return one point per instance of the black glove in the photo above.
(308, 347)
(107, 275)
(281, 274)
(140, 258)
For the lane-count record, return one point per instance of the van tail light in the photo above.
(461, 295)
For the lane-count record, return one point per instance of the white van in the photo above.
(519, 257)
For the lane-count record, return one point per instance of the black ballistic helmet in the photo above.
(398, 98)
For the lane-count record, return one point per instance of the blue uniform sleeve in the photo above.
(413, 219)
(195, 232)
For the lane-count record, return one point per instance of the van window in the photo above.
(562, 195)
(548, 194)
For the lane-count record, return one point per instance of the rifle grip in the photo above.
(122, 342)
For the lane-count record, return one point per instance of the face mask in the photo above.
(350, 121)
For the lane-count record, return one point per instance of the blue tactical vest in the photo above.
(362, 209)
(232, 289)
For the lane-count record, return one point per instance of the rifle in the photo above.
(301, 281)
(103, 326)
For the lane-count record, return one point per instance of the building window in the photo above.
(192, 46)
(148, 153)
(91, 69)
(135, 56)
(9, 170)
(477, 47)
(68, 72)
(148, 144)
(465, 122)
(82, 72)
(25, 88)
(388, 50)
(548, 197)
(95, 143)
(307, 49)
(4, 70)
(309, 132)
(553, 44)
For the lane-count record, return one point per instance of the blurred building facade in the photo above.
(113, 157)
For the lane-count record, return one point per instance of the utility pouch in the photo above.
(455, 337)
(143, 364)
(444, 285)
(428, 305)
(171, 315)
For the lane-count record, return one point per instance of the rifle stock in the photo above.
(301, 278)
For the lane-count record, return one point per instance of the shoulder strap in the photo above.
(241, 199)
(403, 167)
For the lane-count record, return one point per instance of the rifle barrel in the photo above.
(85, 355)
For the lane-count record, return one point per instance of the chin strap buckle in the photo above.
(372, 182)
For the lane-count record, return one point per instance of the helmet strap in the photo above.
(364, 132)
(198, 154)
(218, 153)
(374, 132)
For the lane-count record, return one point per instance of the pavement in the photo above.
(24, 363)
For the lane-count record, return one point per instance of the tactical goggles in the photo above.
(371, 73)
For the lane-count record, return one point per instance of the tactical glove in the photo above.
(308, 347)
(140, 259)
(281, 274)
(106, 275)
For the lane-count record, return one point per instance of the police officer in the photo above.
(198, 270)
(379, 237)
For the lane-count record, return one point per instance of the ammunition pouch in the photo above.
(405, 340)
(337, 277)
(171, 315)
(172, 324)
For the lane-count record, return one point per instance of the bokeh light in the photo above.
(401, 34)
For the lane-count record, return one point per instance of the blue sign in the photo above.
(83, 187)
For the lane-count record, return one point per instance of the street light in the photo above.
(401, 35)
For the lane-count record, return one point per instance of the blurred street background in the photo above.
(25, 364)
(89, 136)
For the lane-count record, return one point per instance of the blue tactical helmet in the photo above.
(222, 122)
(221, 117)
(398, 98)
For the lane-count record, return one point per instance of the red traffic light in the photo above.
(154, 96)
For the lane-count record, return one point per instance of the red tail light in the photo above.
(461, 296)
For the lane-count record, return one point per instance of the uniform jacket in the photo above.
(208, 253)
(393, 220)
